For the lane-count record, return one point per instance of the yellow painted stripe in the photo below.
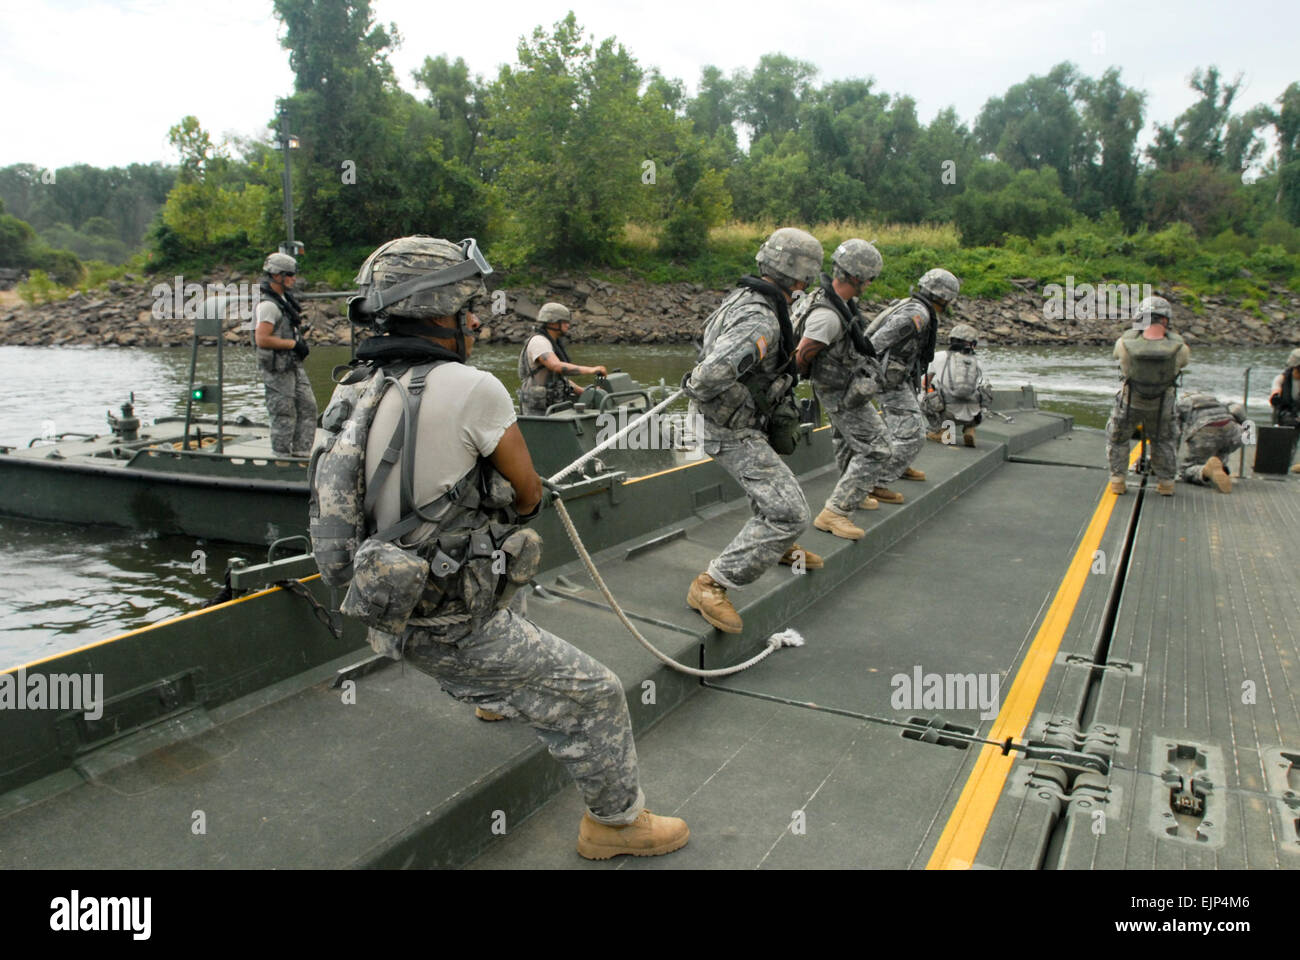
(152, 626)
(965, 829)
(661, 473)
(687, 466)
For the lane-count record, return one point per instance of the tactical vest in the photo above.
(758, 380)
(554, 389)
(958, 380)
(458, 573)
(835, 366)
(286, 327)
(1288, 400)
(1152, 364)
(902, 359)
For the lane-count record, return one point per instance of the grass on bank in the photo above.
(1172, 259)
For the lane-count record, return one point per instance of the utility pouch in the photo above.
(732, 409)
(932, 402)
(533, 396)
(783, 426)
(861, 388)
(386, 584)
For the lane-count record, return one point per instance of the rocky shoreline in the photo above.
(128, 313)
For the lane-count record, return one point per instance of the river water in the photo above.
(62, 586)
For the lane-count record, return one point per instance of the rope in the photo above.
(773, 643)
(602, 447)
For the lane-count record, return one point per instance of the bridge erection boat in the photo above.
(1014, 668)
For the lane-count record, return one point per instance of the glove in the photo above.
(301, 349)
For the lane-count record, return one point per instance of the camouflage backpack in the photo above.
(455, 573)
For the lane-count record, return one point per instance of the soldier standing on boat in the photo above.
(1150, 358)
(1285, 399)
(743, 389)
(444, 524)
(903, 336)
(834, 351)
(544, 364)
(1212, 431)
(281, 350)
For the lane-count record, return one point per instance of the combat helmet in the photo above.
(858, 260)
(1152, 308)
(419, 278)
(279, 263)
(963, 337)
(1237, 411)
(791, 256)
(554, 313)
(1293, 359)
(939, 286)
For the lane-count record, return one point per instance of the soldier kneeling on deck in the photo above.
(544, 364)
(1212, 431)
(420, 488)
(1150, 358)
(957, 391)
(1285, 399)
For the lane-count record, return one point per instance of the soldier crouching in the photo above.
(1212, 431)
(443, 546)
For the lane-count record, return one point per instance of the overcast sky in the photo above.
(101, 81)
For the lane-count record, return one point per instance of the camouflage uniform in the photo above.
(901, 330)
(859, 434)
(1156, 416)
(744, 329)
(1210, 430)
(575, 703)
(499, 660)
(290, 402)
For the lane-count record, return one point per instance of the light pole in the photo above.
(288, 141)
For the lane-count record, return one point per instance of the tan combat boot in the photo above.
(884, 495)
(1214, 472)
(1118, 486)
(1165, 488)
(934, 435)
(488, 715)
(968, 436)
(646, 836)
(869, 503)
(911, 474)
(811, 561)
(1296, 468)
(838, 524)
(710, 598)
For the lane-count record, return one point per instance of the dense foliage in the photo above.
(577, 155)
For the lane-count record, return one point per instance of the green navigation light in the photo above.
(205, 393)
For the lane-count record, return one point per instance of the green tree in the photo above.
(457, 100)
(1112, 119)
(768, 99)
(1207, 133)
(999, 202)
(570, 137)
(1035, 125)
